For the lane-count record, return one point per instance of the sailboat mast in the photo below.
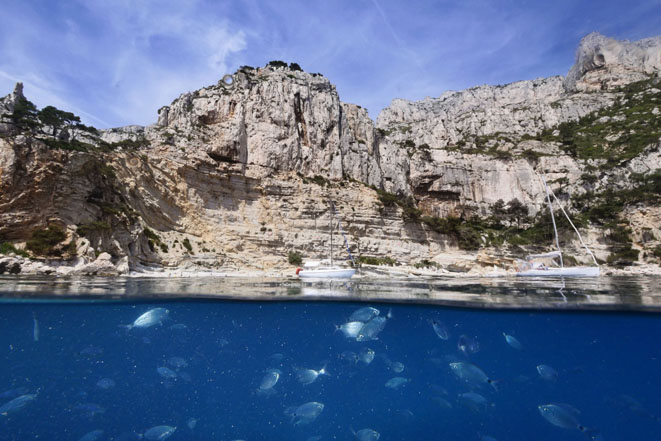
(331, 235)
(555, 229)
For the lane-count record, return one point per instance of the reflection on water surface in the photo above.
(617, 293)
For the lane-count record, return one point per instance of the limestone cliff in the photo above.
(238, 174)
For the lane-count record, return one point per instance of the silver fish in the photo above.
(366, 435)
(350, 329)
(366, 355)
(90, 410)
(440, 329)
(364, 314)
(305, 413)
(92, 436)
(371, 329)
(472, 374)
(91, 351)
(150, 318)
(269, 380)
(561, 415)
(396, 382)
(166, 373)
(177, 362)
(16, 404)
(105, 383)
(468, 345)
(473, 401)
(547, 372)
(159, 433)
(309, 376)
(35, 328)
(397, 367)
(512, 341)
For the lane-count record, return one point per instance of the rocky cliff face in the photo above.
(238, 174)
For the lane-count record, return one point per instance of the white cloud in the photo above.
(103, 58)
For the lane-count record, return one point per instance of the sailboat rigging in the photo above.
(535, 266)
(317, 269)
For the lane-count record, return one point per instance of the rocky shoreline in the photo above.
(461, 266)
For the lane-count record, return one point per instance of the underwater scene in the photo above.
(255, 370)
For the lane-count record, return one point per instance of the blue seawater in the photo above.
(90, 372)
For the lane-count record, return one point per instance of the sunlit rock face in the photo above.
(236, 175)
(603, 63)
(277, 119)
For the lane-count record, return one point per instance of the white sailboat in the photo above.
(324, 269)
(551, 264)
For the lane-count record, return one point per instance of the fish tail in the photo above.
(495, 384)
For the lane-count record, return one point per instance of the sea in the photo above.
(380, 359)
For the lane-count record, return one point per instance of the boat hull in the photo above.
(330, 273)
(570, 271)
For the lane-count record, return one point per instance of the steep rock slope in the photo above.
(238, 174)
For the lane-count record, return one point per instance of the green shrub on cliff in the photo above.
(371, 260)
(92, 227)
(276, 64)
(44, 242)
(24, 115)
(426, 264)
(6, 248)
(387, 199)
(657, 251)
(294, 258)
(617, 133)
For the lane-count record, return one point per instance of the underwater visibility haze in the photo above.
(200, 369)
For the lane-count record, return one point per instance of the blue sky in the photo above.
(115, 62)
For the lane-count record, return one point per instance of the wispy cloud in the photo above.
(116, 63)
(119, 61)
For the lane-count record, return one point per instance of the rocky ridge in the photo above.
(237, 175)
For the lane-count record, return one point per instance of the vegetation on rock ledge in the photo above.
(45, 242)
(294, 258)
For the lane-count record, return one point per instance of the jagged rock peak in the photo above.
(17, 94)
(603, 63)
(8, 102)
